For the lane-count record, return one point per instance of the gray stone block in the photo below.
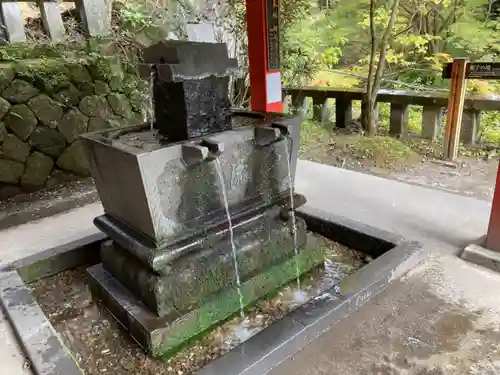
(398, 121)
(47, 354)
(432, 118)
(183, 284)
(482, 257)
(148, 187)
(470, 124)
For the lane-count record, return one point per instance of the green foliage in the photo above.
(135, 16)
(427, 34)
(300, 60)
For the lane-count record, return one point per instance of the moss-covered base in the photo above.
(160, 337)
(187, 282)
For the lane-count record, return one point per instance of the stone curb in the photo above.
(258, 355)
(286, 337)
(38, 338)
(482, 257)
(48, 262)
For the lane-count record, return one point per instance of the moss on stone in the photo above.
(227, 303)
(47, 75)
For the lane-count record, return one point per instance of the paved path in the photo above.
(437, 218)
(441, 319)
(444, 222)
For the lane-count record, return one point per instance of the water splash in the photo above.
(151, 109)
(292, 214)
(218, 167)
(300, 297)
(243, 331)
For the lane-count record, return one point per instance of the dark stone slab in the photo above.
(191, 88)
(38, 339)
(161, 336)
(183, 284)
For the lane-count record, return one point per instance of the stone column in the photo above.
(286, 103)
(343, 111)
(432, 118)
(299, 103)
(399, 119)
(321, 110)
(470, 125)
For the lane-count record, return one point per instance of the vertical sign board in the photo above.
(455, 107)
(478, 70)
(264, 55)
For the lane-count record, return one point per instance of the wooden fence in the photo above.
(93, 13)
(432, 114)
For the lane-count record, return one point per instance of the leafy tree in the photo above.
(378, 55)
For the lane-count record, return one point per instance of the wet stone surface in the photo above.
(101, 346)
(440, 319)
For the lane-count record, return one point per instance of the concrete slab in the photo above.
(12, 358)
(442, 318)
(37, 336)
(29, 239)
(482, 257)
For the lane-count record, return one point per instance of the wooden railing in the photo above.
(432, 114)
(93, 13)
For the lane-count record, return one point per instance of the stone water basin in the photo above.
(100, 345)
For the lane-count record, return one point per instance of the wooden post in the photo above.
(455, 108)
(264, 55)
(459, 71)
(493, 236)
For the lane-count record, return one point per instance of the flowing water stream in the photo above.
(293, 218)
(151, 108)
(218, 167)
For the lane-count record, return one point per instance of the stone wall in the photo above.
(45, 104)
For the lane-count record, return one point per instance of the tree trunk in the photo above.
(376, 71)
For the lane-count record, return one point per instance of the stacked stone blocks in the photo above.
(46, 104)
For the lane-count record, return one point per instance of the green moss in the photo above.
(23, 51)
(227, 303)
(47, 75)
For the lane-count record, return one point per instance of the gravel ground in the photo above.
(101, 346)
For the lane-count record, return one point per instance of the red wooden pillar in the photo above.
(264, 55)
(493, 236)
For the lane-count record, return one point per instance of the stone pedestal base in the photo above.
(183, 284)
(161, 336)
